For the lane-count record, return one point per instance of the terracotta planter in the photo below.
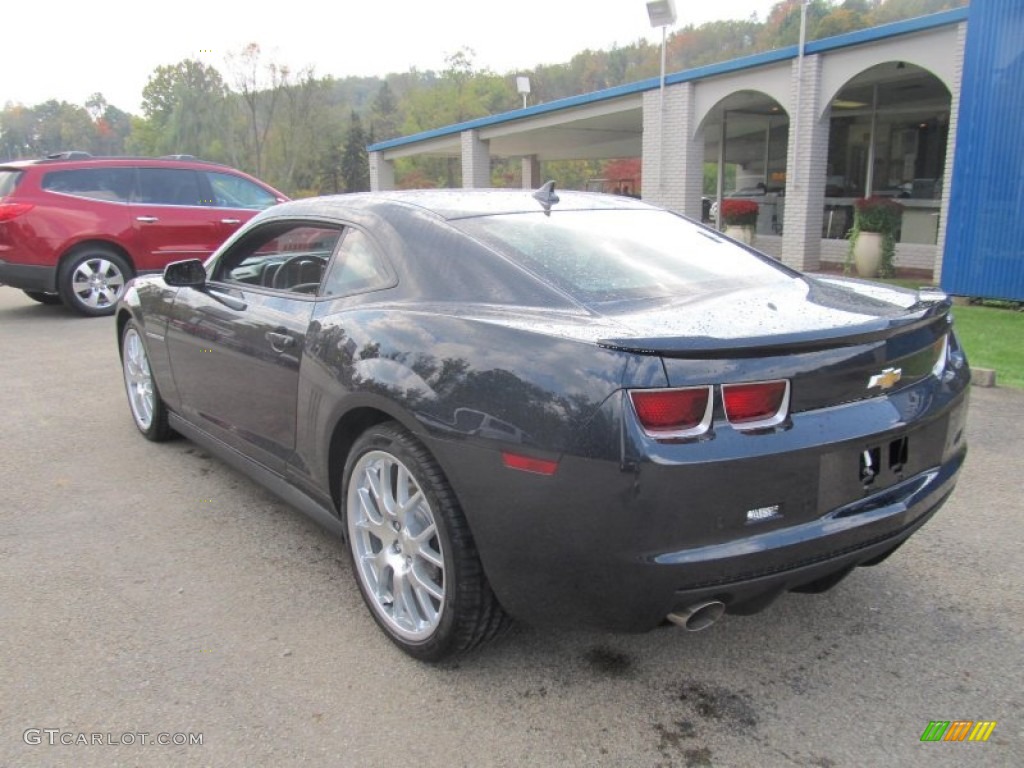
(867, 254)
(742, 232)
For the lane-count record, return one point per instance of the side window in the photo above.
(282, 256)
(169, 186)
(235, 192)
(110, 184)
(357, 268)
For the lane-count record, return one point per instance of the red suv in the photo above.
(75, 228)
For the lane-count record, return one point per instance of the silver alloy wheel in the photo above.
(138, 380)
(395, 544)
(97, 283)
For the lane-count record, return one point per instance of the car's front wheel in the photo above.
(148, 411)
(411, 549)
(93, 279)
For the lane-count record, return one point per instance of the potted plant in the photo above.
(876, 221)
(740, 217)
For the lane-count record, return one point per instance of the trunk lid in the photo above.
(836, 340)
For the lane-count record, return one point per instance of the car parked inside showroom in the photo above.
(566, 408)
(75, 228)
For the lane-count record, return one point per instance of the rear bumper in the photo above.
(28, 277)
(817, 559)
(621, 546)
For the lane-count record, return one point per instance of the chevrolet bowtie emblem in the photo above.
(886, 379)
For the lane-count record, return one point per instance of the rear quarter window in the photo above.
(8, 181)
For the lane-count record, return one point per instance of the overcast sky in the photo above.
(69, 50)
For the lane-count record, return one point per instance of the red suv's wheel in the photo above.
(93, 279)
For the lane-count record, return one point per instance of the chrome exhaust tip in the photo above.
(698, 616)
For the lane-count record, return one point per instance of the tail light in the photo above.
(10, 211)
(756, 405)
(673, 412)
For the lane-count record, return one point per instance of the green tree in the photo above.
(112, 126)
(384, 113)
(895, 10)
(328, 169)
(460, 93)
(184, 105)
(61, 126)
(260, 85)
(355, 167)
(17, 132)
(301, 135)
(572, 174)
(839, 21)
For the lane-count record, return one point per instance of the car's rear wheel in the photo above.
(93, 279)
(148, 411)
(44, 298)
(411, 549)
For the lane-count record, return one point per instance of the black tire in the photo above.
(467, 613)
(144, 402)
(44, 298)
(92, 279)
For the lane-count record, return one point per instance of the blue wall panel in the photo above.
(984, 253)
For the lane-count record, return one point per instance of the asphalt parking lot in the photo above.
(149, 589)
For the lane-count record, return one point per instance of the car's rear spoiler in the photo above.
(932, 308)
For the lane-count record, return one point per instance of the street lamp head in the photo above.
(662, 13)
(523, 86)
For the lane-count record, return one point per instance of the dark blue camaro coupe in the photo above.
(575, 410)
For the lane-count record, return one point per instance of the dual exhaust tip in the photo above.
(698, 616)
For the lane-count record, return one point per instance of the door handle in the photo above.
(279, 342)
(147, 219)
(230, 221)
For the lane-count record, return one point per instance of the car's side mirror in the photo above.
(185, 274)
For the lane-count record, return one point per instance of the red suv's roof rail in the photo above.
(73, 155)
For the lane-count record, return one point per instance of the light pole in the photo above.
(662, 13)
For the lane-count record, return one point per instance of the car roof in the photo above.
(452, 203)
(74, 160)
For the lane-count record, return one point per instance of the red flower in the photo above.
(739, 212)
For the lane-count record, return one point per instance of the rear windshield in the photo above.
(603, 255)
(8, 181)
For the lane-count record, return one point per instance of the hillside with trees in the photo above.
(306, 133)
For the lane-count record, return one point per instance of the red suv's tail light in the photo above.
(760, 404)
(673, 412)
(10, 211)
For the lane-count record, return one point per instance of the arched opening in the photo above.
(888, 134)
(746, 136)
